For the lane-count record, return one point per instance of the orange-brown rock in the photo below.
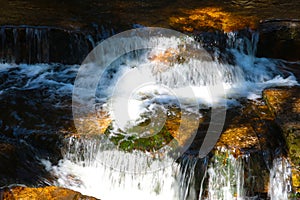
(181, 128)
(249, 129)
(46, 193)
(251, 134)
(285, 104)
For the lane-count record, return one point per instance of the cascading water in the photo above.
(32, 44)
(90, 166)
(226, 179)
(280, 179)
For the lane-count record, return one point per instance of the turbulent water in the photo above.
(89, 167)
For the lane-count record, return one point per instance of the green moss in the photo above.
(134, 142)
(293, 141)
(295, 196)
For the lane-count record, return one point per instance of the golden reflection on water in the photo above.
(211, 18)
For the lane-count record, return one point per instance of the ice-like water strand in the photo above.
(226, 178)
(280, 186)
(84, 170)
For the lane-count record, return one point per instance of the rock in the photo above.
(251, 134)
(279, 39)
(284, 102)
(182, 54)
(251, 129)
(50, 192)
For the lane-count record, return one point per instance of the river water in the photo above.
(118, 13)
(90, 167)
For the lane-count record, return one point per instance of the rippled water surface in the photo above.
(78, 14)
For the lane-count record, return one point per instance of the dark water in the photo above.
(36, 99)
(78, 14)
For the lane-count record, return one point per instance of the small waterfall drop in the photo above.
(226, 179)
(84, 166)
(280, 179)
(86, 173)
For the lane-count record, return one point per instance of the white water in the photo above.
(87, 171)
(226, 179)
(280, 179)
(138, 85)
(92, 177)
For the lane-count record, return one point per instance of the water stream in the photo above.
(90, 165)
(93, 168)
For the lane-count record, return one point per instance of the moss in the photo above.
(133, 142)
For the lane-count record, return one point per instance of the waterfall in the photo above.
(226, 178)
(94, 166)
(223, 176)
(280, 179)
(82, 169)
(39, 44)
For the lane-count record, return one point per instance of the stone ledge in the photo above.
(45, 193)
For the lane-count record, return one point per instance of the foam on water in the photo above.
(91, 176)
(84, 168)
(56, 77)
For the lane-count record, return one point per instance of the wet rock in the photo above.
(250, 140)
(279, 39)
(45, 193)
(251, 129)
(251, 134)
(284, 102)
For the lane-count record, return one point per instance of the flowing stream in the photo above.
(95, 166)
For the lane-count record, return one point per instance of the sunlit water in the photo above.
(85, 165)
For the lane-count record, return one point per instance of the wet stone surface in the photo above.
(49, 192)
(285, 104)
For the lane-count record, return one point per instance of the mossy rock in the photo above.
(284, 102)
(134, 142)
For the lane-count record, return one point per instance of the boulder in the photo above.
(50, 192)
(251, 135)
(284, 102)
